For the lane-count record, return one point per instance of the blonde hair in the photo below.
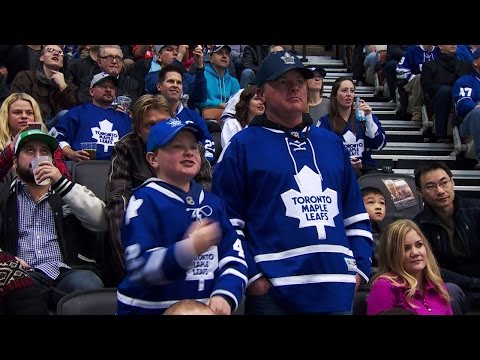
(145, 103)
(391, 256)
(5, 132)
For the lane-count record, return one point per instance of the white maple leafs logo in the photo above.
(354, 147)
(132, 208)
(174, 122)
(104, 135)
(312, 205)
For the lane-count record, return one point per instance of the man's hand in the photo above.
(46, 170)
(59, 79)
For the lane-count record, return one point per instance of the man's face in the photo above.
(111, 61)
(104, 92)
(437, 189)
(285, 95)
(221, 58)
(167, 54)
(151, 117)
(172, 87)
(52, 57)
(22, 161)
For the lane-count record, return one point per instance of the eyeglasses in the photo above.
(318, 77)
(54, 51)
(110, 58)
(433, 187)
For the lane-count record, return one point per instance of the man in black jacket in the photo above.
(50, 227)
(438, 78)
(451, 225)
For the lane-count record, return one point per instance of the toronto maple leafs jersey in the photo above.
(466, 93)
(369, 138)
(296, 203)
(89, 122)
(161, 268)
(412, 62)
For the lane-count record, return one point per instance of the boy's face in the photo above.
(375, 205)
(178, 162)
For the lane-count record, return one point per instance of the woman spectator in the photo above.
(17, 113)
(360, 138)
(248, 106)
(408, 276)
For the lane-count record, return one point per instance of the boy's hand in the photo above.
(219, 305)
(204, 235)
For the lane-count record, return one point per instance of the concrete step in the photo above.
(461, 177)
(400, 125)
(401, 161)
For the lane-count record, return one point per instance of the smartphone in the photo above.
(34, 125)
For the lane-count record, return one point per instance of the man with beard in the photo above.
(50, 228)
(96, 121)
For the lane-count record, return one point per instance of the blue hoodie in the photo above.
(219, 89)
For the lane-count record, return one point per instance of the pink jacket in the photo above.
(385, 295)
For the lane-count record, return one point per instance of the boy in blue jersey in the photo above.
(292, 195)
(178, 240)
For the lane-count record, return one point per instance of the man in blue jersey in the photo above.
(466, 98)
(293, 198)
(178, 240)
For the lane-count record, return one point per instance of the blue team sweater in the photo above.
(297, 205)
(159, 272)
(466, 93)
(89, 122)
(369, 137)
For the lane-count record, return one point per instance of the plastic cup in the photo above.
(34, 163)
(91, 148)
(124, 102)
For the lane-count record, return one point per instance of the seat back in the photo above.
(89, 302)
(401, 197)
(93, 174)
(212, 114)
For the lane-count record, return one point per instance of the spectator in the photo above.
(275, 166)
(178, 240)
(50, 227)
(408, 276)
(220, 84)
(96, 121)
(249, 106)
(317, 105)
(17, 113)
(451, 225)
(360, 138)
(189, 307)
(48, 85)
(466, 97)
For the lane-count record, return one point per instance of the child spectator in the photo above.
(178, 240)
(374, 202)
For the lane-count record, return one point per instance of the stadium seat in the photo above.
(89, 302)
(93, 174)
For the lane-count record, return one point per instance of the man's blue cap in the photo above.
(164, 132)
(476, 54)
(277, 64)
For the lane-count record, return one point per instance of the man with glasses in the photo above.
(110, 61)
(452, 225)
(48, 85)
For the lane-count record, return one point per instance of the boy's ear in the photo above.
(152, 159)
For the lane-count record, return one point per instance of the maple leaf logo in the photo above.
(354, 147)
(312, 205)
(132, 208)
(104, 135)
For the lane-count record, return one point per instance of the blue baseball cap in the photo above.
(164, 132)
(277, 64)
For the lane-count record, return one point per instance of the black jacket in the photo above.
(76, 242)
(463, 271)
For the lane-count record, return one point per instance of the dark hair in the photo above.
(426, 167)
(336, 122)
(241, 109)
(169, 68)
(371, 190)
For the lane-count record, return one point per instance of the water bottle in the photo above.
(359, 114)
